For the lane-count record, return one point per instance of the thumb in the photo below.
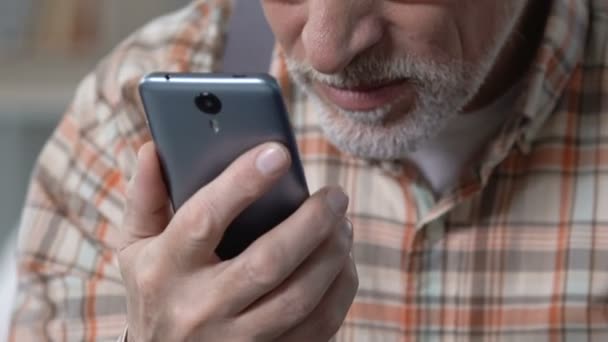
(147, 209)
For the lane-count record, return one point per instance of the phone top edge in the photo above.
(207, 78)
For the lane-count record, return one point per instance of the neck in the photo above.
(516, 57)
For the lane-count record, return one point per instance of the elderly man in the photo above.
(471, 138)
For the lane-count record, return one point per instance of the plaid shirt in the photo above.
(518, 251)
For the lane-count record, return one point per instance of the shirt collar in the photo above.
(557, 59)
(559, 55)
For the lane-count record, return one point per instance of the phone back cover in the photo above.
(192, 153)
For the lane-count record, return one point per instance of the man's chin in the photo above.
(394, 138)
(367, 140)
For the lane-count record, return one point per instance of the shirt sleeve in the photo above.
(69, 283)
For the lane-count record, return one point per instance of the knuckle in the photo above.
(184, 318)
(249, 191)
(297, 305)
(147, 279)
(188, 319)
(246, 184)
(260, 268)
(201, 219)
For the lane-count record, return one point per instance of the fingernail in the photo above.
(337, 201)
(272, 160)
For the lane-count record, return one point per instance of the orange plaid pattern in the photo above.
(518, 251)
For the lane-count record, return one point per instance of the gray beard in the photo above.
(364, 135)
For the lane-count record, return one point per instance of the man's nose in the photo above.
(337, 31)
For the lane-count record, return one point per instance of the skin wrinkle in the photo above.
(367, 25)
(459, 34)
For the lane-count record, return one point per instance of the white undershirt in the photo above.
(442, 159)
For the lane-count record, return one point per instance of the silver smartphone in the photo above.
(201, 123)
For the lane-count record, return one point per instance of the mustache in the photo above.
(376, 70)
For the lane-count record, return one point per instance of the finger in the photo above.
(327, 318)
(277, 254)
(296, 298)
(198, 226)
(147, 208)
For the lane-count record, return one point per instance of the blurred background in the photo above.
(46, 47)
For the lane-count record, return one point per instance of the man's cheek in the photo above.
(286, 22)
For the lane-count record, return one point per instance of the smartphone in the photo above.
(201, 123)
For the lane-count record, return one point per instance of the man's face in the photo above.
(388, 74)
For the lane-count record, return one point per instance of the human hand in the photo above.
(295, 283)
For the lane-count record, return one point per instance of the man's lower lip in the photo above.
(362, 100)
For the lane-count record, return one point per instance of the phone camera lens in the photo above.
(208, 103)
